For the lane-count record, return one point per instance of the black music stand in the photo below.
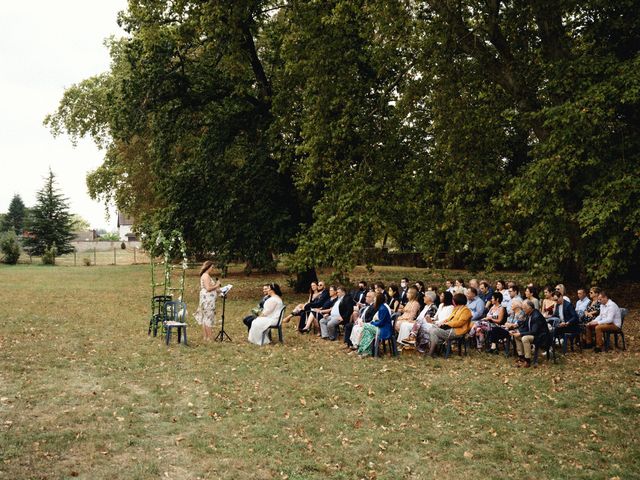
(222, 335)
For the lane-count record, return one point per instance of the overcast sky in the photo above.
(45, 47)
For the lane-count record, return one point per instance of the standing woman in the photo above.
(206, 313)
(269, 316)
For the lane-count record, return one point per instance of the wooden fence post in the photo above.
(114, 255)
(94, 257)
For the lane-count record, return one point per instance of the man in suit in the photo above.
(564, 318)
(250, 318)
(457, 325)
(359, 296)
(318, 302)
(404, 288)
(340, 313)
(533, 332)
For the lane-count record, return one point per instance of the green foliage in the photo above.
(484, 135)
(51, 222)
(49, 255)
(15, 217)
(110, 237)
(78, 223)
(10, 247)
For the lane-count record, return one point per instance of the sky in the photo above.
(45, 47)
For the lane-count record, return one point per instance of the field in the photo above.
(84, 393)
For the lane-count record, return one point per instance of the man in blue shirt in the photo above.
(582, 303)
(475, 304)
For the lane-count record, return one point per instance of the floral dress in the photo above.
(206, 313)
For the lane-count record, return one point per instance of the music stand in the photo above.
(222, 334)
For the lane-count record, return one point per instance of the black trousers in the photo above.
(348, 327)
(248, 321)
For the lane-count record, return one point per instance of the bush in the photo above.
(86, 261)
(123, 246)
(10, 248)
(49, 255)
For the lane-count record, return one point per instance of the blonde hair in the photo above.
(516, 303)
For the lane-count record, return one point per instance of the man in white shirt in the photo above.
(609, 320)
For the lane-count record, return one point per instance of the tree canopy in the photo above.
(496, 134)
(14, 220)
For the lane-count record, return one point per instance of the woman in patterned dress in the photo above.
(206, 313)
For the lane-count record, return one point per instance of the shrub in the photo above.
(49, 255)
(123, 246)
(86, 261)
(10, 248)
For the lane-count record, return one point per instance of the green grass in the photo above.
(86, 394)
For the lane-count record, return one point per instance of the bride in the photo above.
(269, 316)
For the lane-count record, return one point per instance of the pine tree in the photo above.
(15, 217)
(51, 221)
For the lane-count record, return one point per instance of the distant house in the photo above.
(125, 226)
(84, 236)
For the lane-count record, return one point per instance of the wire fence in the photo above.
(96, 257)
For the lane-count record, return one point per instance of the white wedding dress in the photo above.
(269, 316)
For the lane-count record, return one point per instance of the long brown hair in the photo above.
(379, 301)
(206, 266)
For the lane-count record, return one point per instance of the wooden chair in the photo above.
(175, 314)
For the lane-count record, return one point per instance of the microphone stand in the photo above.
(222, 335)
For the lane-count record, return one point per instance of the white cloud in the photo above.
(46, 46)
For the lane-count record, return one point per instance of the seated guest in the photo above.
(564, 318)
(514, 294)
(340, 313)
(408, 314)
(360, 294)
(475, 304)
(444, 309)
(255, 312)
(548, 302)
(424, 323)
(496, 316)
(485, 292)
(592, 312)
(531, 293)
(534, 332)
(420, 288)
(582, 303)
(515, 321)
(459, 287)
(379, 328)
(315, 314)
(501, 287)
(269, 316)
(456, 326)
(296, 312)
(609, 320)
(560, 288)
(394, 298)
(378, 287)
(474, 283)
(404, 287)
(316, 303)
(434, 289)
(449, 286)
(353, 331)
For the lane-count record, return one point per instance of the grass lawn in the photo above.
(84, 393)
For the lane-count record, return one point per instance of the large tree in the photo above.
(15, 218)
(484, 134)
(50, 224)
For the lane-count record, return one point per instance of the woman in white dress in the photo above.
(269, 316)
(206, 313)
